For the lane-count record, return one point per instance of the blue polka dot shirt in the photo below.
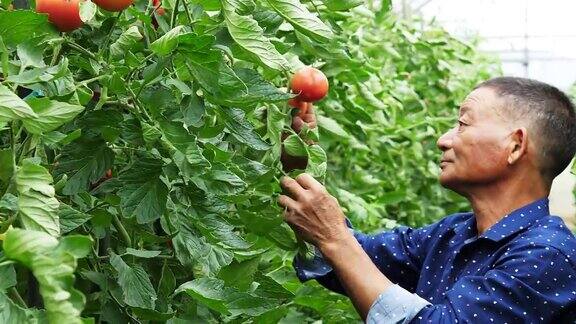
(521, 270)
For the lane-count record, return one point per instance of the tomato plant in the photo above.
(190, 112)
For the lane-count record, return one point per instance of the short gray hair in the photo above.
(549, 111)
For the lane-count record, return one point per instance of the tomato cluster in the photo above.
(65, 14)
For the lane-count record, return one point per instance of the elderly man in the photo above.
(507, 261)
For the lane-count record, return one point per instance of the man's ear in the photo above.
(518, 145)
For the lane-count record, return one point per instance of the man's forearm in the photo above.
(359, 276)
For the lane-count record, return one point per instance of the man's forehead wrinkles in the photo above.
(468, 103)
(465, 109)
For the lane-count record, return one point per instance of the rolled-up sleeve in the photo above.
(395, 305)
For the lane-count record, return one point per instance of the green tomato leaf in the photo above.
(30, 53)
(168, 42)
(209, 292)
(20, 25)
(275, 121)
(194, 251)
(142, 253)
(12, 107)
(294, 146)
(331, 126)
(305, 22)
(127, 40)
(50, 115)
(135, 283)
(6, 162)
(213, 294)
(37, 206)
(342, 5)
(88, 10)
(8, 275)
(143, 194)
(150, 133)
(220, 180)
(12, 313)
(317, 161)
(242, 130)
(70, 218)
(85, 161)
(220, 232)
(24, 245)
(9, 202)
(249, 88)
(47, 75)
(240, 274)
(53, 264)
(250, 36)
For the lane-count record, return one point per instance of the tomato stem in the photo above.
(140, 110)
(121, 230)
(81, 49)
(315, 8)
(13, 145)
(87, 81)
(55, 54)
(188, 13)
(109, 36)
(174, 14)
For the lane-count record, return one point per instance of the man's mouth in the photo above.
(443, 163)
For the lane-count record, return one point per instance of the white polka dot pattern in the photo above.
(521, 270)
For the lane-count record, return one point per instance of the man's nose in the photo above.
(444, 143)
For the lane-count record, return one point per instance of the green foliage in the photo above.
(139, 162)
(385, 114)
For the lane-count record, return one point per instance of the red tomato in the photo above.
(310, 83)
(64, 14)
(113, 5)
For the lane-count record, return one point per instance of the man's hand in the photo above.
(312, 212)
(308, 118)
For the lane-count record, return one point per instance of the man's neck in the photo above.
(492, 203)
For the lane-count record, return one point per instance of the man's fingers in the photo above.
(305, 115)
(287, 202)
(297, 124)
(308, 118)
(292, 187)
(308, 182)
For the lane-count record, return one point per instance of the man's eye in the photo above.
(461, 123)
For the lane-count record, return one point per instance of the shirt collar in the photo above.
(518, 220)
(514, 222)
(466, 228)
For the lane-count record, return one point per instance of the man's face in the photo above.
(475, 150)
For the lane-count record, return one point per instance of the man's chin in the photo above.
(453, 184)
(449, 182)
